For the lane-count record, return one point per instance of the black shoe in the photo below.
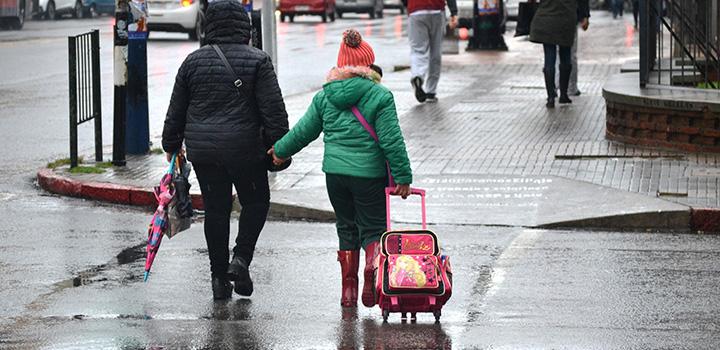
(431, 98)
(576, 93)
(239, 273)
(550, 102)
(417, 84)
(222, 288)
(564, 99)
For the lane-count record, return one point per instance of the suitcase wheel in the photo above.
(385, 314)
(437, 314)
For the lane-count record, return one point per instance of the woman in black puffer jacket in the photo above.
(227, 132)
(554, 25)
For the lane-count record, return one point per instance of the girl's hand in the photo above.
(402, 191)
(276, 160)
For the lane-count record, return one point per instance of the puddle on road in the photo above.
(131, 254)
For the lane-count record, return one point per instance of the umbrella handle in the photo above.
(171, 169)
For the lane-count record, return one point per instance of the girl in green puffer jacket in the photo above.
(354, 164)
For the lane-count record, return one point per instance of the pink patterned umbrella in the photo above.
(164, 194)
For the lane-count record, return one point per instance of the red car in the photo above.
(322, 8)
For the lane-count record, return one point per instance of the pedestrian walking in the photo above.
(636, 12)
(618, 7)
(351, 110)
(584, 23)
(426, 28)
(555, 25)
(227, 131)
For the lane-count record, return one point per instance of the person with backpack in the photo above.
(227, 107)
(351, 110)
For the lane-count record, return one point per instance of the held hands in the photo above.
(402, 191)
(276, 160)
(585, 23)
(453, 22)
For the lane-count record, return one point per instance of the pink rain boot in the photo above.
(349, 265)
(371, 252)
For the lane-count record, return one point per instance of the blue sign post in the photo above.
(137, 135)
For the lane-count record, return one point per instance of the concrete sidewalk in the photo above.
(490, 153)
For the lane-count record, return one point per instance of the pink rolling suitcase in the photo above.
(412, 275)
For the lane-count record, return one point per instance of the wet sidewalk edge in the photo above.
(106, 192)
(700, 220)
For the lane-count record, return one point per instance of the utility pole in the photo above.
(120, 77)
(269, 31)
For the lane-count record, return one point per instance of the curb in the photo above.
(144, 197)
(702, 220)
(705, 220)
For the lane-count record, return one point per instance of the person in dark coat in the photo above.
(227, 132)
(554, 25)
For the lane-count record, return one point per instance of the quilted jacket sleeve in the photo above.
(392, 142)
(174, 129)
(307, 129)
(270, 103)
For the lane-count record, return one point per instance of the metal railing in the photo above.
(84, 79)
(679, 43)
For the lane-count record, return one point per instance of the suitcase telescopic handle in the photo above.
(413, 191)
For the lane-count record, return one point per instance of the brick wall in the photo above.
(692, 131)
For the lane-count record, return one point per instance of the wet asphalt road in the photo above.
(514, 288)
(45, 239)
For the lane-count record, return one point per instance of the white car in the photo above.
(394, 4)
(54, 9)
(183, 16)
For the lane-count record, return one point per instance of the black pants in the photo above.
(251, 184)
(551, 53)
(359, 205)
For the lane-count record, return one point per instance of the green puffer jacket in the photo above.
(349, 148)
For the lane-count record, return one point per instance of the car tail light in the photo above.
(186, 3)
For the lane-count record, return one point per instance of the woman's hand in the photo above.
(276, 160)
(585, 23)
(402, 191)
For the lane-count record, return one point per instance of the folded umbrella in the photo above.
(164, 194)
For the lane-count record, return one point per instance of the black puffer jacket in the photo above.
(206, 110)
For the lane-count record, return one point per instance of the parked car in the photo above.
(394, 4)
(54, 9)
(184, 16)
(372, 7)
(323, 8)
(98, 7)
(12, 13)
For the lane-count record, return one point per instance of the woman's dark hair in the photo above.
(376, 69)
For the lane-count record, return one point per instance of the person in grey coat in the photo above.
(554, 25)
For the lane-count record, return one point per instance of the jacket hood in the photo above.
(227, 22)
(346, 86)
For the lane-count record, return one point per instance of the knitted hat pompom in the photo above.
(352, 38)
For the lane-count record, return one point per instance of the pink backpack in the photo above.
(412, 275)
